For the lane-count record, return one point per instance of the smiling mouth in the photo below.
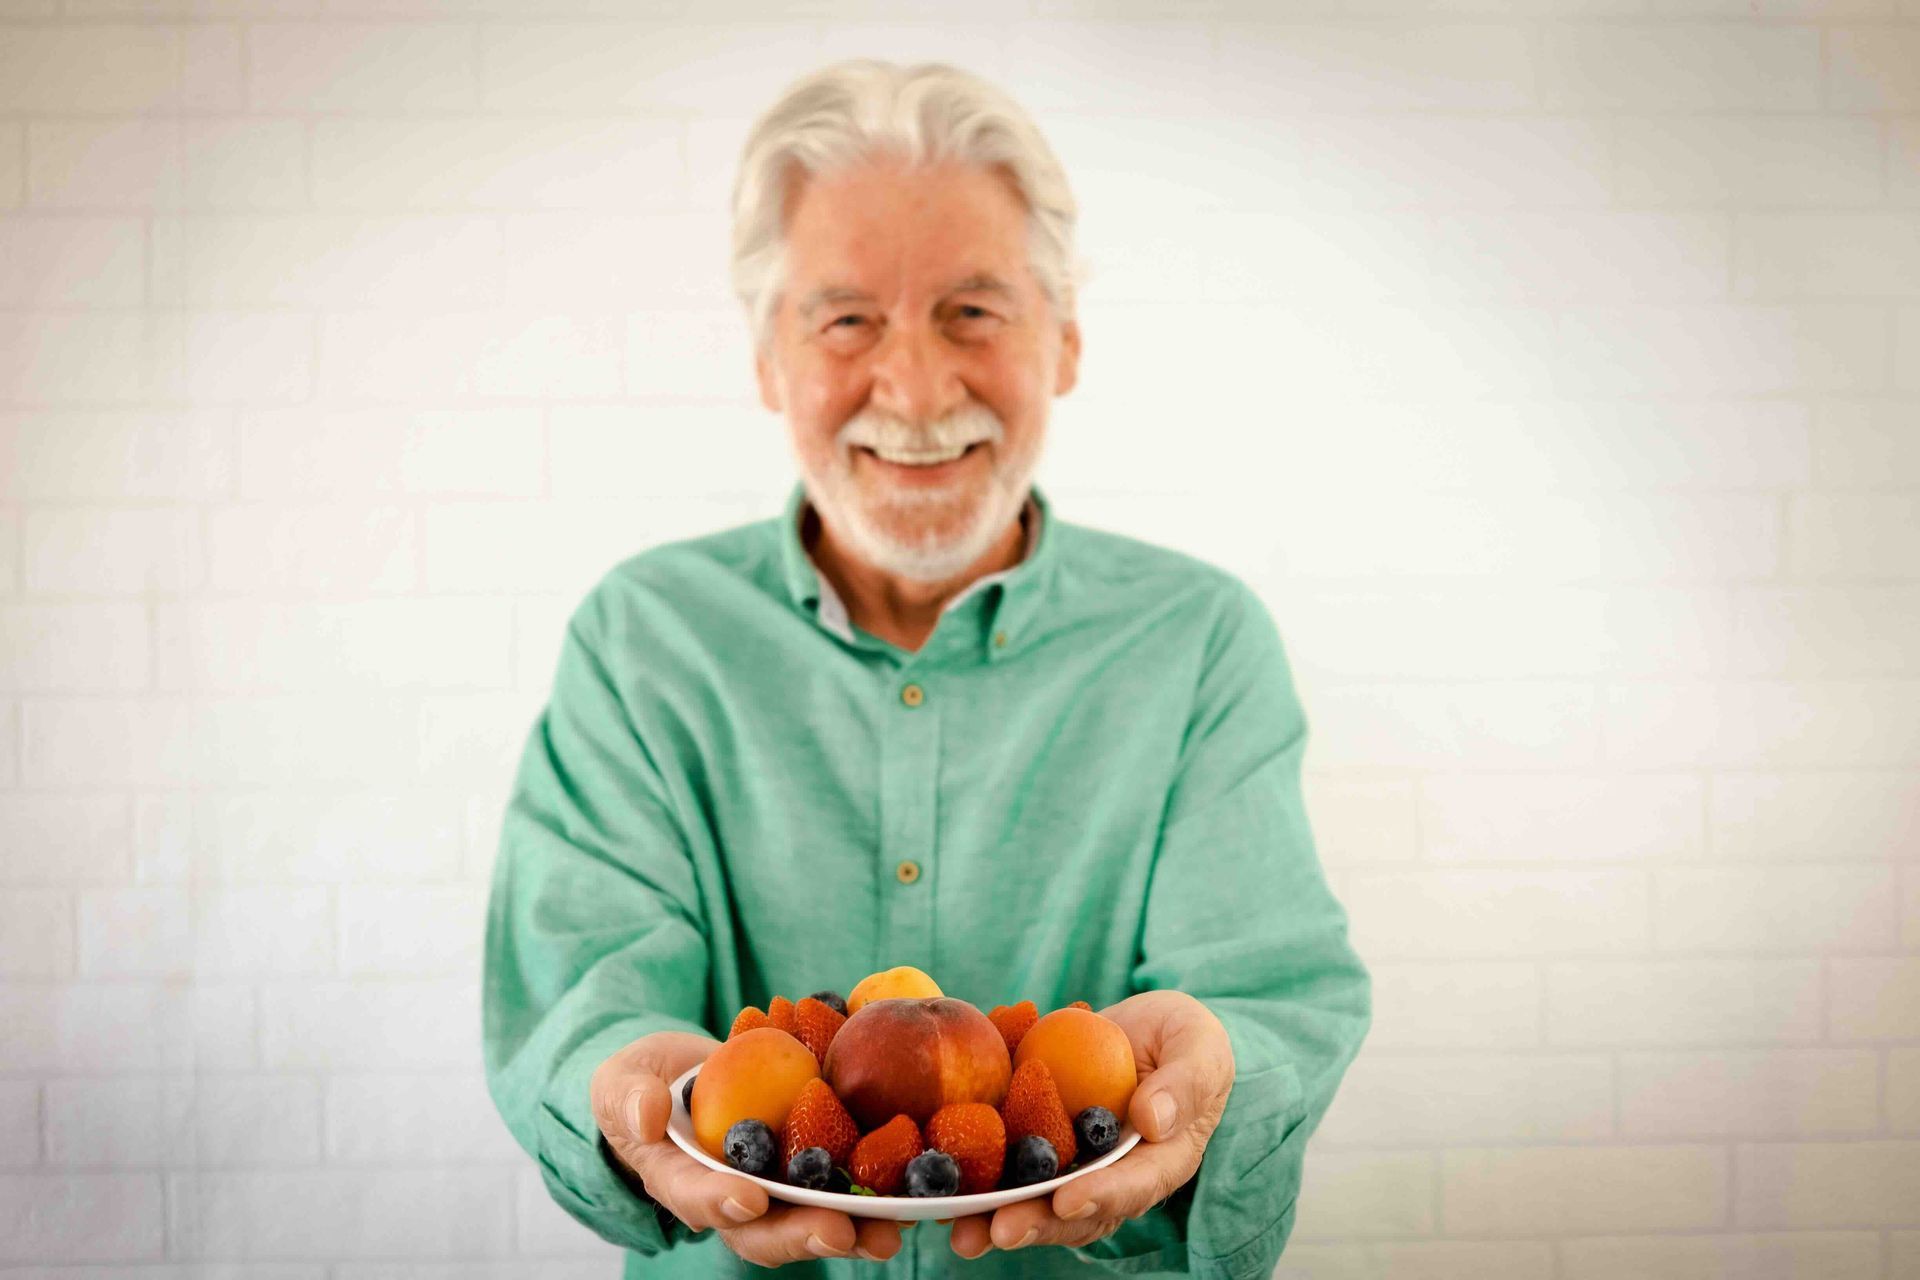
(966, 453)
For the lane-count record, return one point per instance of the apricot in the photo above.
(1091, 1060)
(756, 1075)
(902, 982)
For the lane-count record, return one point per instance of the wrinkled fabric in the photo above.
(1099, 782)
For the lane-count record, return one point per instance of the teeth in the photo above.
(921, 459)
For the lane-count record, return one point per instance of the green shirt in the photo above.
(1094, 763)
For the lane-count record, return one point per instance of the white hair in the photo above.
(865, 109)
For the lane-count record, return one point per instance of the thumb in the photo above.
(1192, 1069)
(1167, 1101)
(631, 1089)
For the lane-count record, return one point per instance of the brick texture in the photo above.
(1552, 369)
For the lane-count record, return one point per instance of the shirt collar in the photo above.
(1011, 596)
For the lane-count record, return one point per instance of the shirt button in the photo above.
(908, 871)
(1000, 639)
(913, 695)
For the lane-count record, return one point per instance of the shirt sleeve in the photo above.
(593, 939)
(1239, 916)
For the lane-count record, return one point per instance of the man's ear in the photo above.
(769, 380)
(1068, 371)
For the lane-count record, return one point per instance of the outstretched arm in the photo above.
(593, 939)
(1252, 1002)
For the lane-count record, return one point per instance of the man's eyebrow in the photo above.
(978, 282)
(832, 293)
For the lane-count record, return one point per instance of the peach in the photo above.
(756, 1075)
(903, 982)
(913, 1057)
(1091, 1060)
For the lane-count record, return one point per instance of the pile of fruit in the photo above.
(902, 1090)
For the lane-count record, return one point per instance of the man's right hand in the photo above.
(632, 1099)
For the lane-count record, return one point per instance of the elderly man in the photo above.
(918, 719)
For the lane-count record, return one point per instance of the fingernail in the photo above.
(862, 1254)
(1086, 1210)
(737, 1211)
(1033, 1233)
(1163, 1113)
(633, 1114)
(821, 1248)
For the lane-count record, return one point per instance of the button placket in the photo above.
(909, 775)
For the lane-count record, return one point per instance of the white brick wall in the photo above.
(1552, 369)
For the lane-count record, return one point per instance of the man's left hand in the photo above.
(1186, 1072)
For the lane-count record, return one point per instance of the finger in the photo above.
(792, 1235)
(1190, 1084)
(1029, 1229)
(876, 1240)
(972, 1235)
(630, 1104)
(1024, 1223)
(1165, 1101)
(630, 1090)
(1132, 1184)
(691, 1192)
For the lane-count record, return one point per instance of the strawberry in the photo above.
(818, 1120)
(881, 1158)
(814, 1024)
(974, 1135)
(1033, 1106)
(747, 1019)
(1081, 1004)
(1014, 1021)
(780, 1013)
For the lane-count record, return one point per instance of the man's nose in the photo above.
(915, 376)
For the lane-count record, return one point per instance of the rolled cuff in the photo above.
(582, 1173)
(580, 1176)
(1244, 1194)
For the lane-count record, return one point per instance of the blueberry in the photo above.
(832, 1000)
(840, 1181)
(686, 1092)
(932, 1173)
(812, 1168)
(1097, 1130)
(749, 1148)
(1031, 1159)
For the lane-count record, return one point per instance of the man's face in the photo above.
(911, 324)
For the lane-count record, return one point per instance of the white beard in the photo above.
(921, 533)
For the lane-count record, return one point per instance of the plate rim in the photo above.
(898, 1208)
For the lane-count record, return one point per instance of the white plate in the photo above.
(896, 1208)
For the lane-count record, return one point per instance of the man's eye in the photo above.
(977, 320)
(844, 319)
